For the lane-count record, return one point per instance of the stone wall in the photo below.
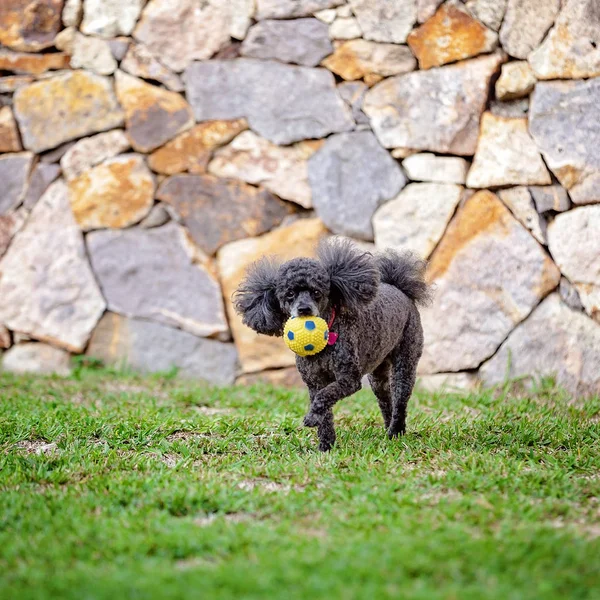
(151, 151)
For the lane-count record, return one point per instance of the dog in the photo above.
(369, 300)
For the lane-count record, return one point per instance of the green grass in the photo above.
(116, 486)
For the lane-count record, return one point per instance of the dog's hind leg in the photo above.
(326, 432)
(380, 384)
(405, 358)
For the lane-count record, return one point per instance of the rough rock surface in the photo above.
(148, 274)
(574, 242)
(384, 21)
(29, 25)
(512, 109)
(403, 108)
(519, 202)
(72, 13)
(41, 177)
(89, 152)
(281, 170)
(179, 31)
(506, 155)
(286, 9)
(110, 18)
(260, 91)
(300, 41)
(569, 295)
(9, 225)
(353, 94)
(345, 28)
(33, 64)
(417, 218)
(258, 352)
(550, 197)
(159, 215)
(191, 150)
(40, 359)
(565, 124)
(525, 25)
(516, 80)
(426, 9)
(436, 169)
(153, 115)
(14, 174)
(448, 382)
(93, 54)
(114, 194)
(64, 108)
(553, 341)
(288, 377)
(48, 290)
(489, 12)
(150, 347)
(357, 59)
(140, 62)
(572, 48)
(217, 211)
(484, 303)
(9, 134)
(11, 83)
(5, 339)
(451, 34)
(350, 177)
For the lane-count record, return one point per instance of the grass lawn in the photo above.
(117, 486)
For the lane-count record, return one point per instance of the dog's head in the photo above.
(343, 276)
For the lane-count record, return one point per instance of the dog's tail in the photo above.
(406, 272)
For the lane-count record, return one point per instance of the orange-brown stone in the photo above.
(259, 352)
(217, 211)
(450, 35)
(29, 25)
(33, 64)
(9, 134)
(153, 115)
(191, 150)
(115, 194)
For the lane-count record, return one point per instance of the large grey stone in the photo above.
(572, 48)
(506, 155)
(148, 274)
(285, 9)
(350, 177)
(177, 32)
(565, 124)
(300, 41)
(282, 103)
(110, 18)
(477, 303)
(574, 242)
(436, 169)
(519, 202)
(402, 109)
(553, 341)
(489, 12)
(42, 176)
(14, 173)
(37, 358)
(150, 347)
(417, 218)
(218, 211)
(385, 21)
(47, 288)
(281, 170)
(525, 25)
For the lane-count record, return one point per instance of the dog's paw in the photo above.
(313, 419)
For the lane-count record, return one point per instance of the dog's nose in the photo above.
(304, 310)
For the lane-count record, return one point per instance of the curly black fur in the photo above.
(377, 322)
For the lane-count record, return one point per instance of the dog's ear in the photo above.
(353, 273)
(256, 301)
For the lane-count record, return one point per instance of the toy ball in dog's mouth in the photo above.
(306, 335)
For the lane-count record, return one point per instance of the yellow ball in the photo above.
(306, 335)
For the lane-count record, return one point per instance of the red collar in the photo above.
(332, 338)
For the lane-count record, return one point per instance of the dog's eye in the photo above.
(317, 294)
(290, 295)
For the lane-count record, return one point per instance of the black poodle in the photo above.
(370, 303)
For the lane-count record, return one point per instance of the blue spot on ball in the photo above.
(290, 335)
(309, 347)
(326, 335)
(310, 325)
